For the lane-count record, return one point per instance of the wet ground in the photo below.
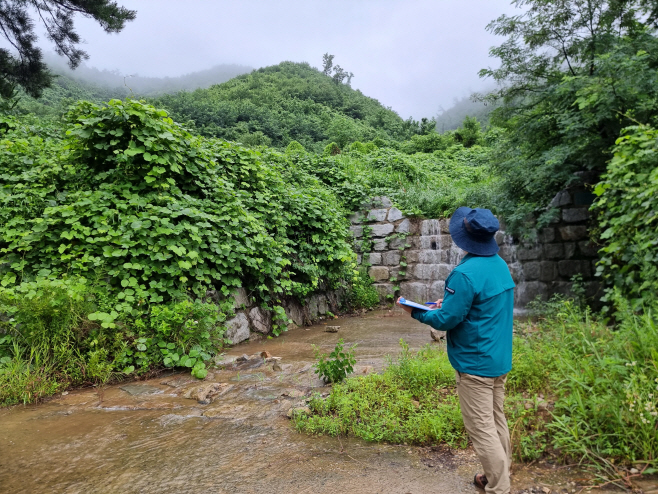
(230, 434)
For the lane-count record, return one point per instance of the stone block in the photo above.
(529, 252)
(359, 258)
(414, 291)
(381, 201)
(569, 250)
(531, 270)
(394, 214)
(378, 273)
(516, 270)
(436, 290)
(294, 311)
(261, 320)
(356, 218)
(432, 271)
(396, 243)
(240, 298)
(432, 242)
(548, 271)
(377, 215)
(574, 215)
(567, 269)
(430, 227)
(404, 227)
(500, 237)
(554, 251)
(374, 258)
(528, 291)
(508, 253)
(547, 235)
(357, 230)
(391, 258)
(430, 257)
(384, 290)
(445, 226)
(237, 328)
(583, 198)
(412, 256)
(562, 198)
(380, 244)
(573, 232)
(382, 230)
(588, 249)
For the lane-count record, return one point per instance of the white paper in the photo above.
(403, 301)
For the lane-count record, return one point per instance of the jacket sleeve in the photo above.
(457, 301)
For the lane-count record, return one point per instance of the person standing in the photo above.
(476, 312)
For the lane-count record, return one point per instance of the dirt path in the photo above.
(148, 437)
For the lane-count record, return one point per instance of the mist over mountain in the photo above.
(454, 116)
(123, 84)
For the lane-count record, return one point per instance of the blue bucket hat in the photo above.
(473, 230)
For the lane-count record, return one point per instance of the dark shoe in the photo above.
(480, 480)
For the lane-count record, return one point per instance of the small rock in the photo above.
(206, 393)
(297, 410)
(528, 405)
(265, 355)
(276, 367)
(415, 403)
(293, 393)
(272, 359)
(437, 335)
(332, 329)
(64, 393)
(546, 490)
(243, 358)
(634, 471)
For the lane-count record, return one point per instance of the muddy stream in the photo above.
(155, 436)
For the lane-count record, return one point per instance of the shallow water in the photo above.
(147, 437)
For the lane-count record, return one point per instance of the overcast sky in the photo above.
(412, 55)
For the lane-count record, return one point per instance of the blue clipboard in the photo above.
(403, 301)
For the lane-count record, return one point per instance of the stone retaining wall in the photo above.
(418, 255)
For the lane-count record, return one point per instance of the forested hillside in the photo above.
(291, 101)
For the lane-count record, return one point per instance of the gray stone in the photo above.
(567, 269)
(531, 270)
(380, 244)
(240, 298)
(378, 273)
(377, 215)
(574, 215)
(508, 253)
(384, 290)
(357, 230)
(573, 232)
(404, 227)
(528, 253)
(528, 291)
(562, 198)
(547, 235)
(569, 250)
(430, 257)
(432, 271)
(237, 328)
(433, 242)
(516, 270)
(588, 249)
(554, 251)
(374, 258)
(414, 291)
(548, 271)
(391, 258)
(382, 201)
(430, 227)
(382, 230)
(436, 290)
(356, 218)
(395, 214)
(359, 258)
(141, 389)
(412, 255)
(294, 311)
(500, 237)
(322, 304)
(261, 320)
(396, 243)
(312, 307)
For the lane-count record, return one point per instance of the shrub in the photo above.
(337, 365)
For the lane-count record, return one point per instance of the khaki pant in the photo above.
(481, 400)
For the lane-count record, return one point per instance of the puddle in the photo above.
(229, 433)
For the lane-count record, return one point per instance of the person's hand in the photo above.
(405, 308)
(436, 305)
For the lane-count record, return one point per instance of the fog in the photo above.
(415, 56)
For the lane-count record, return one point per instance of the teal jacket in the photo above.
(477, 312)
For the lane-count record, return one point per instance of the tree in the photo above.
(25, 67)
(327, 63)
(571, 73)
